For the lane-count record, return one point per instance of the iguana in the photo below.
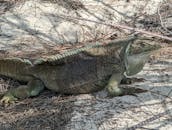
(84, 70)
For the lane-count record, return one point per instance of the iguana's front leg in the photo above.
(33, 88)
(112, 86)
(114, 90)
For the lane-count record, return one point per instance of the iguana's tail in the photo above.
(14, 68)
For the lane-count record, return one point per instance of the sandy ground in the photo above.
(50, 111)
(37, 22)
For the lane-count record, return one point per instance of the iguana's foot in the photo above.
(132, 91)
(116, 91)
(8, 99)
(14, 94)
(33, 88)
(131, 80)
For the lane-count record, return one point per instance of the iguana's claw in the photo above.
(132, 91)
(8, 99)
(115, 91)
(131, 80)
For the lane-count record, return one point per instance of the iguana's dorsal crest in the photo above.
(15, 60)
(73, 52)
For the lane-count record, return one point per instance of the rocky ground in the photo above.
(50, 111)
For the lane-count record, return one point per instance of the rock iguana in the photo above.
(84, 70)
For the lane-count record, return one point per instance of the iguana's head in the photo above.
(138, 54)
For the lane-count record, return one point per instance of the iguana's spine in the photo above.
(14, 68)
(121, 42)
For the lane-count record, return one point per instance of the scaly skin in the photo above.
(82, 71)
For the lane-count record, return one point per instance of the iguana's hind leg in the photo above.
(33, 88)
